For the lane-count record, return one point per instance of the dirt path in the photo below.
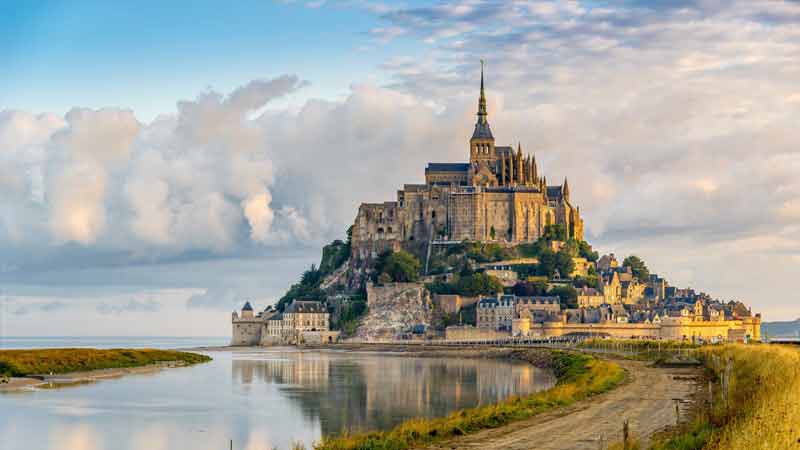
(646, 400)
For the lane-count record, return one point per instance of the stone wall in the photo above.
(452, 303)
(319, 337)
(470, 333)
(394, 309)
(246, 331)
(672, 329)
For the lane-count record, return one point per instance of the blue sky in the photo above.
(176, 158)
(147, 55)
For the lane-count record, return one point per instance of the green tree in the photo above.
(572, 248)
(564, 264)
(591, 281)
(555, 232)
(567, 295)
(530, 288)
(638, 267)
(549, 262)
(478, 284)
(585, 250)
(401, 266)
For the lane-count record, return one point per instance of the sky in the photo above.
(161, 162)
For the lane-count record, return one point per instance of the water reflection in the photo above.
(369, 391)
(259, 399)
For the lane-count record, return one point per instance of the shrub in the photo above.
(19, 363)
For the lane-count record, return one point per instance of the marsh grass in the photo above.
(637, 344)
(762, 408)
(18, 363)
(579, 376)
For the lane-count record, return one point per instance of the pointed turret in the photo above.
(544, 186)
(520, 169)
(535, 169)
(529, 168)
(565, 190)
(511, 178)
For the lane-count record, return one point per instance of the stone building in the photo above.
(301, 321)
(495, 313)
(246, 327)
(590, 297)
(299, 317)
(498, 196)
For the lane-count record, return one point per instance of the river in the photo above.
(259, 398)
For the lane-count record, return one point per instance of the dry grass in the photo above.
(18, 363)
(637, 344)
(763, 404)
(580, 376)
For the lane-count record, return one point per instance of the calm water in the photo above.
(259, 398)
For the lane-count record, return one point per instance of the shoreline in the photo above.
(83, 377)
(427, 351)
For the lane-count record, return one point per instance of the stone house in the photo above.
(590, 297)
(495, 314)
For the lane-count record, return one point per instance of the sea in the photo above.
(160, 342)
(248, 398)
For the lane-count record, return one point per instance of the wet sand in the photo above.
(74, 378)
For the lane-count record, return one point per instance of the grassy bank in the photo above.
(762, 409)
(19, 363)
(579, 376)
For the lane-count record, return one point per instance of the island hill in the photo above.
(483, 250)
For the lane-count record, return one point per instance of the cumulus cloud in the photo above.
(675, 122)
(196, 180)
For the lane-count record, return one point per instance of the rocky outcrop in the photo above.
(394, 309)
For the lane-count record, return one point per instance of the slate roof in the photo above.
(539, 299)
(482, 131)
(503, 149)
(554, 191)
(488, 301)
(305, 306)
(447, 167)
(247, 307)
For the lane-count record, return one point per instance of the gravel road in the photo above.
(646, 400)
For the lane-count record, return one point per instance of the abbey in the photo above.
(499, 196)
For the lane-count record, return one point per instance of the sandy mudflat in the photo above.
(71, 378)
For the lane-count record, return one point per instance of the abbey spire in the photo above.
(482, 130)
(481, 145)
